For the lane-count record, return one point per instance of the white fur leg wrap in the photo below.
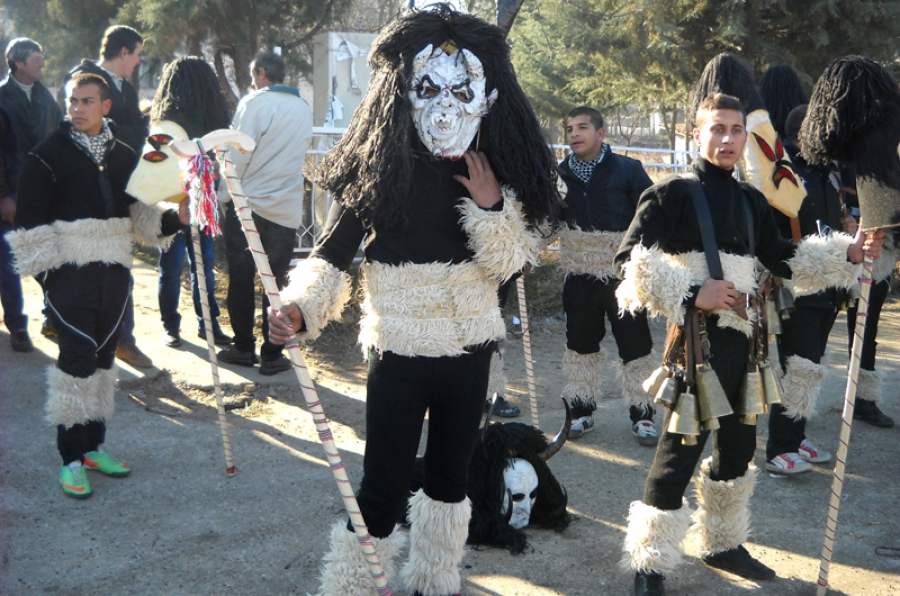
(502, 243)
(660, 282)
(583, 375)
(870, 385)
(801, 382)
(722, 519)
(820, 262)
(634, 374)
(345, 571)
(320, 290)
(653, 539)
(589, 253)
(497, 378)
(437, 541)
(79, 242)
(147, 222)
(72, 400)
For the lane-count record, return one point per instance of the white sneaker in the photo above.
(788, 464)
(580, 426)
(809, 452)
(645, 431)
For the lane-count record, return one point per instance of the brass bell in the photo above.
(667, 392)
(711, 424)
(772, 318)
(652, 384)
(751, 400)
(772, 388)
(711, 397)
(684, 419)
(784, 301)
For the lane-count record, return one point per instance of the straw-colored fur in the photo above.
(502, 244)
(147, 222)
(430, 309)
(801, 382)
(634, 374)
(722, 519)
(653, 539)
(345, 571)
(820, 263)
(320, 290)
(437, 540)
(660, 282)
(589, 253)
(583, 376)
(870, 385)
(72, 400)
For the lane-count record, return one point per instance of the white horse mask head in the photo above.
(448, 99)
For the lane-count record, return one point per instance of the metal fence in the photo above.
(658, 163)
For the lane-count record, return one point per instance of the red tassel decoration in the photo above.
(198, 181)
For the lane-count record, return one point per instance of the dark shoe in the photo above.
(231, 355)
(869, 412)
(219, 338)
(649, 584)
(48, 330)
(171, 339)
(503, 408)
(133, 356)
(20, 341)
(273, 367)
(739, 562)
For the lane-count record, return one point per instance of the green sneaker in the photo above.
(104, 462)
(74, 482)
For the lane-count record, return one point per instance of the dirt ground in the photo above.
(179, 526)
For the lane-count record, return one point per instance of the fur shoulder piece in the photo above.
(320, 290)
(148, 226)
(820, 262)
(502, 244)
(661, 282)
(79, 242)
(589, 253)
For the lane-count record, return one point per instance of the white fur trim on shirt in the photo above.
(320, 290)
(820, 262)
(589, 253)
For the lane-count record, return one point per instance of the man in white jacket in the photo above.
(281, 124)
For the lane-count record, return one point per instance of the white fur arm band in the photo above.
(320, 290)
(502, 244)
(654, 282)
(820, 262)
(147, 222)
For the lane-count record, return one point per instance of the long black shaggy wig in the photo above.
(726, 73)
(189, 95)
(781, 91)
(370, 169)
(853, 98)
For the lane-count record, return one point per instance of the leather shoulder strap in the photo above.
(704, 220)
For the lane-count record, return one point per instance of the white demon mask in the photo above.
(521, 492)
(448, 98)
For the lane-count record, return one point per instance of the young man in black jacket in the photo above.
(76, 236)
(603, 189)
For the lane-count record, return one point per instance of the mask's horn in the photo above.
(561, 437)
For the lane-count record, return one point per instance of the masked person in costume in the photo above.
(854, 118)
(602, 192)
(444, 176)
(666, 271)
(76, 236)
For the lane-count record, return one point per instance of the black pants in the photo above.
(78, 439)
(805, 334)
(278, 242)
(399, 391)
(734, 444)
(876, 301)
(586, 301)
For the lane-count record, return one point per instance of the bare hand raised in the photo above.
(866, 243)
(481, 183)
(716, 293)
(285, 323)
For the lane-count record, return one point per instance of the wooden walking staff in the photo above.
(198, 184)
(217, 140)
(526, 342)
(840, 466)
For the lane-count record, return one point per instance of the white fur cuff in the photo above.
(820, 262)
(502, 244)
(653, 539)
(722, 519)
(72, 400)
(870, 385)
(148, 226)
(437, 542)
(345, 571)
(320, 290)
(589, 253)
(584, 374)
(801, 382)
(633, 376)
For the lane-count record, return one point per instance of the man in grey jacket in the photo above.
(281, 124)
